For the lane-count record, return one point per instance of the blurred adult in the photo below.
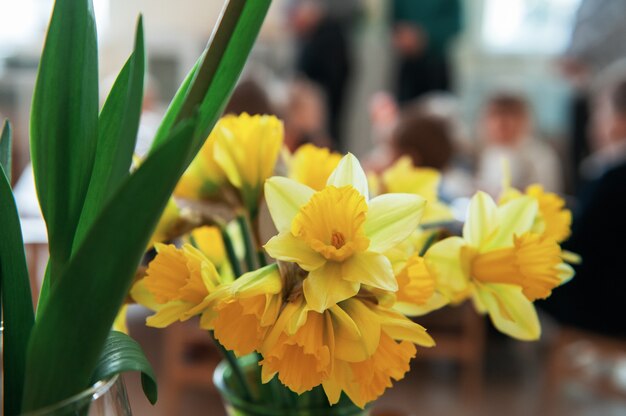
(323, 55)
(422, 33)
(597, 40)
(594, 299)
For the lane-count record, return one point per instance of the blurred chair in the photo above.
(460, 336)
(596, 362)
(189, 361)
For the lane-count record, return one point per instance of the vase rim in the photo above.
(93, 393)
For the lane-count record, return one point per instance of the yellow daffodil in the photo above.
(417, 289)
(403, 177)
(553, 219)
(176, 282)
(168, 220)
(311, 165)
(501, 262)
(364, 381)
(351, 347)
(204, 177)
(245, 310)
(337, 234)
(246, 148)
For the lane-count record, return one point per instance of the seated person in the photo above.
(506, 130)
(594, 299)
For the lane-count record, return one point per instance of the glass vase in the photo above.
(287, 404)
(105, 398)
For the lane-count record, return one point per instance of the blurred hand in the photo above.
(409, 40)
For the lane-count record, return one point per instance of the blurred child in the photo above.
(506, 129)
(425, 138)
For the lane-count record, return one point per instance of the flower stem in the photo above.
(244, 226)
(230, 251)
(238, 374)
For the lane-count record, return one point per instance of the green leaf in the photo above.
(64, 123)
(122, 353)
(16, 298)
(6, 149)
(117, 134)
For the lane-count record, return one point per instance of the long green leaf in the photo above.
(16, 298)
(117, 134)
(64, 120)
(81, 308)
(6, 149)
(121, 354)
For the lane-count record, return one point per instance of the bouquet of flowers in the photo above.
(351, 266)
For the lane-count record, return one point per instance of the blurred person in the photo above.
(506, 127)
(304, 114)
(597, 40)
(594, 299)
(249, 97)
(323, 56)
(384, 114)
(428, 139)
(422, 34)
(458, 180)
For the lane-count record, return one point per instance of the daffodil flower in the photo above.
(243, 311)
(553, 219)
(402, 176)
(311, 165)
(501, 263)
(337, 234)
(246, 149)
(350, 347)
(417, 289)
(176, 282)
(204, 178)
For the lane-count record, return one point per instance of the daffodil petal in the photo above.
(348, 347)
(140, 293)
(400, 327)
(391, 218)
(325, 287)
(482, 219)
(436, 301)
(510, 311)
(284, 198)
(286, 247)
(371, 269)
(168, 314)
(516, 217)
(350, 172)
(257, 282)
(444, 259)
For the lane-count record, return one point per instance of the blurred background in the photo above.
(456, 85)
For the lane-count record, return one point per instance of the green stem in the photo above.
(429, 242)
(240, 378)
(244, 226)
(261, 257)
(230, 251)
